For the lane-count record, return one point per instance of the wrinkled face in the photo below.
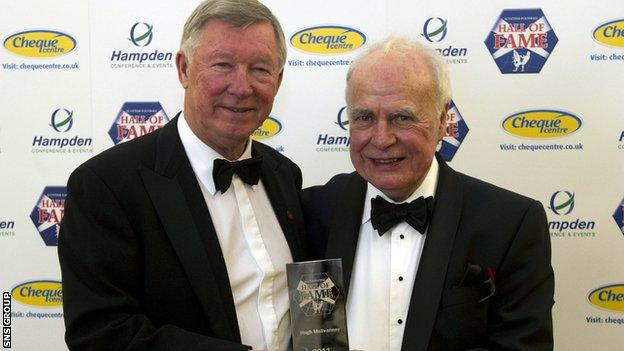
(394, 126)
(230, 83)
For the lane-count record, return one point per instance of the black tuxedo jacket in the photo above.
(141, 263)
(475, 225)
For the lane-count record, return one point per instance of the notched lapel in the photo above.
(172, 208)
(177, 198)
(434, 261)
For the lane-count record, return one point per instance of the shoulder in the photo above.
(121, 161)
(267, 151)
(488, 202)
(488, 193)
(275, 158)
(325, 196)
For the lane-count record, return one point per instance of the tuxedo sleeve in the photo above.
(102, 269)
(520, 311)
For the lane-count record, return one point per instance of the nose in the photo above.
(240, 84)
(383, 136)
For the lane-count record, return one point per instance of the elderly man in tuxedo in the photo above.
(178, 240)
(433, 259)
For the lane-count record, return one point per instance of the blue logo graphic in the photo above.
(618, 216)
(342, 120)
(562, 202)
(48, 213)
(434, 29)
(136, 119)
(521, 41)
(456, 131)
(143, 37)
(62, 120)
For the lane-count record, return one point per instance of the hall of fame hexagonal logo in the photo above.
(618, 216)
(136, 119)
(48, 213)
(316, 294)
(521, 41)
(456, 131)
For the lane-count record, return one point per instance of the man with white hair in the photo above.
(178, 240)
(433, 259)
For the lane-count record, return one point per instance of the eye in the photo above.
(261, 70)
(362, 118)
(403, 118)
(222, 65)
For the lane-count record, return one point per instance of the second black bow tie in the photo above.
(384, 215)
(248, 170)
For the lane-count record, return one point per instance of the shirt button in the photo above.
(402, 236)
(400, 279)
(400, 321)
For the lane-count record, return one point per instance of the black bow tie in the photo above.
(248, 170)
(384, 215)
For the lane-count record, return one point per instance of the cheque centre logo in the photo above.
(434, 29)
(40, 293)
(610, 33)
(143, 39)
(328, 40)
(40, 43)
(48, 212)
(542, 124)
(610, 297)
(270, 127)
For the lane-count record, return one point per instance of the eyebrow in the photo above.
(403, 111)
(220, 54)
(229, 55)
(357, 112)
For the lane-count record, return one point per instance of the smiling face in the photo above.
(394, 122)
(230, 83)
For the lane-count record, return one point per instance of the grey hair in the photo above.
(406, 47)
(238, 13)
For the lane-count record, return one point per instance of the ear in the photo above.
(279, 79)
(443, 119)
(183, 66)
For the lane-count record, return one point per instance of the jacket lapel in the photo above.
(345, 225)
(434, 261)
(284, 200)
(176, 196)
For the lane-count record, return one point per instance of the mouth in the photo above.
(237, 109)
(386, 161)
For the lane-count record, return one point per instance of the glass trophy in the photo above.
(317, 306)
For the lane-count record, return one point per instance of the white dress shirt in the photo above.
(383, 276)
(255, 260)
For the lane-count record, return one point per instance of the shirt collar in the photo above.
(426, 189)
(201, 155)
